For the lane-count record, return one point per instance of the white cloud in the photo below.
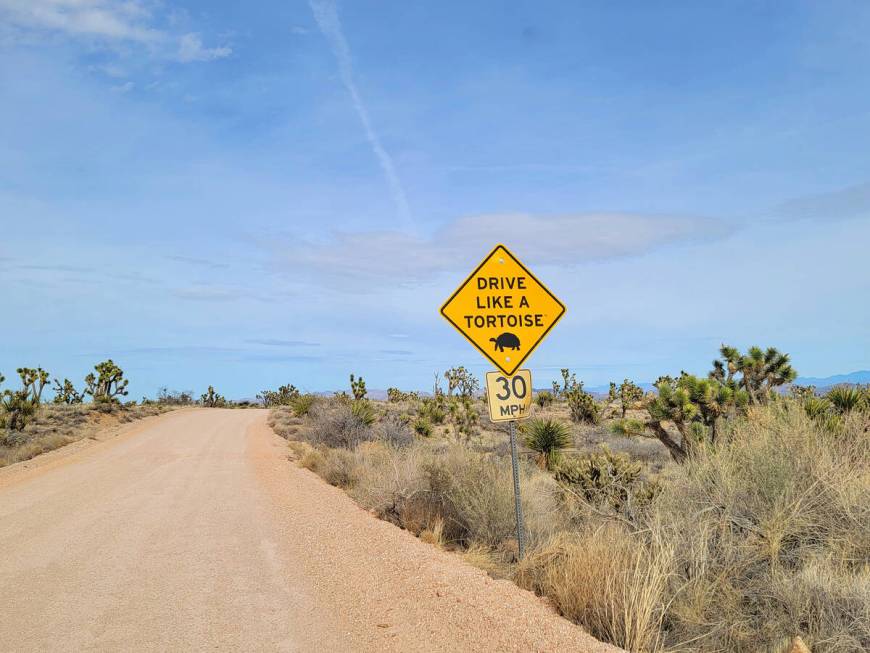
(108, 22)
(107, 19)
(327, 19)
(561, 240)
(190, 48)
(126, 87)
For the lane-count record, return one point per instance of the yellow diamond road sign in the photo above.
(503, 310)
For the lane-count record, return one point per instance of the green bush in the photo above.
(303, 404)
(434, 409)
(544, 398)
(422, 427)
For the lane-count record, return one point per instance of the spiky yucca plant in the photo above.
(548, 438)
(846, 398)
(363, 410)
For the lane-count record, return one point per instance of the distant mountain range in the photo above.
(859, 377)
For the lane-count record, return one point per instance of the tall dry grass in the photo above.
(763, 538)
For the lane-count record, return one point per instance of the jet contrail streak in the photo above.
(327, 19)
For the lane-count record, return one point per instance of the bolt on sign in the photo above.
(503, 310)
(509, 397)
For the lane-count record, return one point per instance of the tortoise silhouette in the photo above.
(508, 340)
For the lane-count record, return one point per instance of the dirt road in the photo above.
(193, 531)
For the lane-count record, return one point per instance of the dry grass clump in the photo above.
(458, 497)
(336, 425)
(605, 579)
(771, 534)
(284, 421)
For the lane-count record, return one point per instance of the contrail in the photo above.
(327, 19)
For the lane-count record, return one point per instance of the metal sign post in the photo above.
(518, 506)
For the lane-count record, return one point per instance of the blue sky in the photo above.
(249, 194)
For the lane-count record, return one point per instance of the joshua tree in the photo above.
(20, 405)
(66, 393)
(108, 385)
(464, 416)
(436, 386)
(460, 378)
(212, 399)
(581, 404)
(694, 406)
(452, 375)
(760, 371)
(358, 387)
(628, 394)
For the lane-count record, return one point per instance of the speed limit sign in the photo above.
(509, 397)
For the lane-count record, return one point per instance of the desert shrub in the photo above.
(474, 493)
(284, 422)
(605, 580)
(336, 425)
(283, 396)
(627, 427)
(544, 398)
(547, 438)
(582, 405)
(338, 467)
(364, 411)
(167, 397)
(422, 427)
(392, 484)
(302, 404)
(771, 534)
(394, 395)
(434, 409)
(606, 479)
(464, 416)
(394, 431)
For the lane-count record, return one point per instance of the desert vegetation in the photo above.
(30, 424)
(714, 513)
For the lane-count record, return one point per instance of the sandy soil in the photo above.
(193, 531)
